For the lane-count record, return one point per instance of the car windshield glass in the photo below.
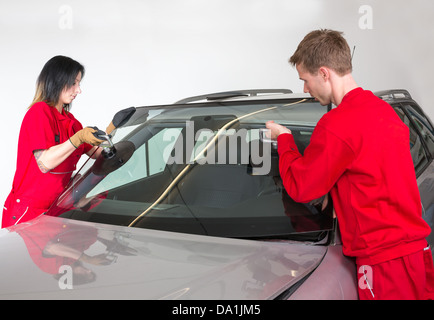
(202, 169)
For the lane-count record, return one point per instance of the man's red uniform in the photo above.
(360, 153)
(33, 191)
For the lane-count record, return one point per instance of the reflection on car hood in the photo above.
(39, 261)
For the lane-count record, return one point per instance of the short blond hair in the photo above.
(326, 48)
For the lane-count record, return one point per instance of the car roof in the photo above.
(393, 95)
(389, 95)
(245, 94)
(220, 99)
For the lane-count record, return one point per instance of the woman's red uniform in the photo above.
(33, 191)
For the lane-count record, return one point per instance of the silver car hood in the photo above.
(39, 261)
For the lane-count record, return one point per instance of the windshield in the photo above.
(202, 169)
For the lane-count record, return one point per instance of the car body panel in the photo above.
(334, 279)
(146, 264)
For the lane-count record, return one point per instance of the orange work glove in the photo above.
(85, 136)
(120, 118)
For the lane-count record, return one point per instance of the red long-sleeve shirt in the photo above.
(33, 191)
(360, 153)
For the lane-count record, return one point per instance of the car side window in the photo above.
(148, 160)
(425, 128)
(417, 150)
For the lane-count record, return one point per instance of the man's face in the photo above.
(316, 85)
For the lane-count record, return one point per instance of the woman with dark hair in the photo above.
(51, 142)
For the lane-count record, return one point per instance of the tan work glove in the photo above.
(120, 118)
(110, 128)
(85, 136)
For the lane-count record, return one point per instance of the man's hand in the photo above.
(324, 200)
(276, 129)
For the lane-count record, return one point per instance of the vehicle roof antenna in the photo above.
(352, 55)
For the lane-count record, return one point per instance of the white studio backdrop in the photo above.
(156, 52)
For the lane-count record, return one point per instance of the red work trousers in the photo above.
(406, 278)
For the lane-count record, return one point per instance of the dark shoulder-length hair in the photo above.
(58, 73)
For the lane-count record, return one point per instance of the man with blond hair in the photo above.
(359, 152)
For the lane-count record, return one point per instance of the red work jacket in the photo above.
(33, 191)
(360, 153)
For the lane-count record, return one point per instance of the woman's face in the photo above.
(69, 94)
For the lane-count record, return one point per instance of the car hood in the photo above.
(55, 258)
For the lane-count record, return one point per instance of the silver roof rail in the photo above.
(232, 94)
(393, 94)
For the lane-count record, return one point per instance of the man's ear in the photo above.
(324, 73)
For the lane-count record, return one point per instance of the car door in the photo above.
(422, 151)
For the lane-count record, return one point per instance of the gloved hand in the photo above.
(120, 118)
(85, 136)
